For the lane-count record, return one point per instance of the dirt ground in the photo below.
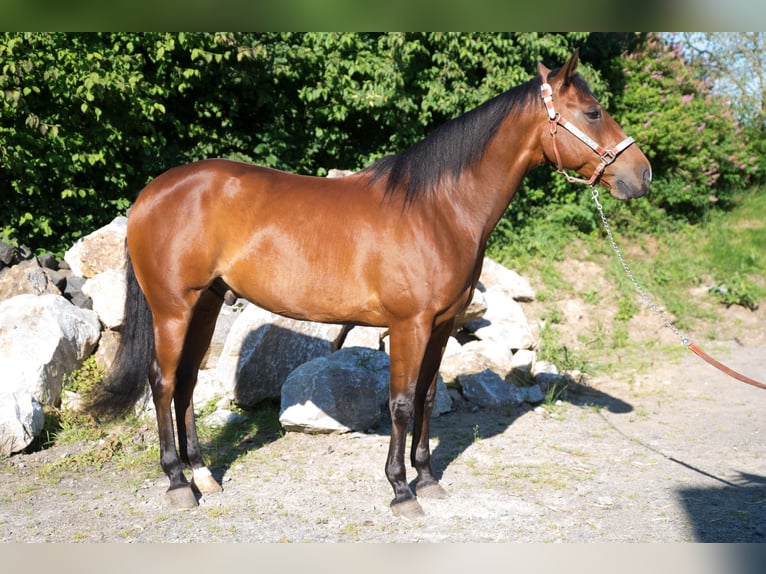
(672, 452)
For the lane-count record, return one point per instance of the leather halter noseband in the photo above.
(607, 156)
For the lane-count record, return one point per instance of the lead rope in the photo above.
(685, 340)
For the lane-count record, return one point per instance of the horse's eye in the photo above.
(593, 114)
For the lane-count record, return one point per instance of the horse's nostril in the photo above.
(647, 177)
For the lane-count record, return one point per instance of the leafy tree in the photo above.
(689, 133)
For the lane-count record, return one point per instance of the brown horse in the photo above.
(399, 244)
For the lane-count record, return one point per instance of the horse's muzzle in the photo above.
(627, 189)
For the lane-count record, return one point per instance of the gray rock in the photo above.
(487, 389)
(474, 357)
(367, 337)
(496, 277)
(21, 420)
(262, 349)
(504, 322)
(339, 393)
(222, 418)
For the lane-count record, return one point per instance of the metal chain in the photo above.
(641, 292)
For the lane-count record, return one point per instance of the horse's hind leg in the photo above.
(428, 486)
(169, 335)
(198, 338)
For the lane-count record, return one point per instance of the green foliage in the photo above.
(87, 119)
(696, 147)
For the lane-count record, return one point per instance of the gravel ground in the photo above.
(675, 455)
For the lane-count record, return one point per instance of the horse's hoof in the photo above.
(203, 481)
(408, 509)
(181, 498)
(431, 490)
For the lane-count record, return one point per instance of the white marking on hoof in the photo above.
(202, 480)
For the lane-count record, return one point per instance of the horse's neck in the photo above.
(488, 187)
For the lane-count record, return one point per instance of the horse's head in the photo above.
(582, 137)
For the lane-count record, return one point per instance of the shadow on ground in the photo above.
(735, 511)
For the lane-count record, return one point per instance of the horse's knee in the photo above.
(401, 407)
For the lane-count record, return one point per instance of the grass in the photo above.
(693, 272)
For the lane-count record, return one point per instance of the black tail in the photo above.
(127, 379)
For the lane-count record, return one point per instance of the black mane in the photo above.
(452, 147)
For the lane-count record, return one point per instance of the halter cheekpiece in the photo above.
(606, 155)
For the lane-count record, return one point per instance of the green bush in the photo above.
(86, 120)
(698, 153)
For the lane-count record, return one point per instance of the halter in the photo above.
(607, 156)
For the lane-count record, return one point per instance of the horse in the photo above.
(398, 244)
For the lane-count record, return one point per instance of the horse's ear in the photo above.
(570, 67)
(543, 71)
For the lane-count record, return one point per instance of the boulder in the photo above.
(262, 349)
(101, 250)
(339, 393)
(488, 389)
(27, 277)
(367, 337)
(498, 278)
(522, 365)
(474, 357)
(107, 290)
(504, 322)
(476, 309)
(21, 420)
(345, 391)
(42, 338)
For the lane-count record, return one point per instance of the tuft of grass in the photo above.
(260, 425)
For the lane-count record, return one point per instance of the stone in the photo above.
(522, 363)
(101, 250)
(533, 394)
(107, 291)
(21, 420)
(208, 388)
(497, 277)
(222, 418)
(339, 173)
(107, 347)
(368, 337)
(474, 357)
(504, 322)
(26, 277)
(42, 338)
(476, 309)
(226, 318)
(262, 349)
(487, 389)
(339, 393)
(73, 292)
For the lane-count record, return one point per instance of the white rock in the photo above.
(42, 338)
(21, 420)
(101, 250)
(107, 291)
(496, 277)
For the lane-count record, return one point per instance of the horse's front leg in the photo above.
(408, 341)
(428, 486)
